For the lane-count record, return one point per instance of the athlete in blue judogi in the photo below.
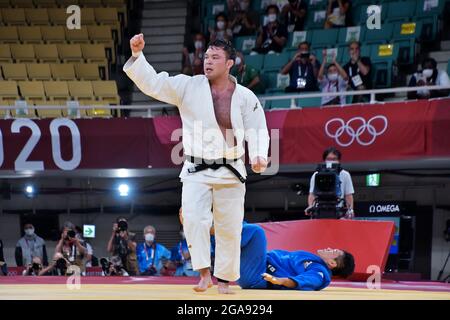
(280, 269)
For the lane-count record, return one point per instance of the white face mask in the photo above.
(332, 76)
(427, 73)
(149, 237)
(272, 17)
(220, 25)
(238, 61)
(29, 232)
(330, 163)
(198, 44)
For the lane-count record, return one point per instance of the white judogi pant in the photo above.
(227, 202)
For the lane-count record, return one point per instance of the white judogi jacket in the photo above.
(202, 136)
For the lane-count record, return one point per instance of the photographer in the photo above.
(71, 248)
(34, 268)
(332, 156)
(113, 267)
(123, 244)
(152, 257)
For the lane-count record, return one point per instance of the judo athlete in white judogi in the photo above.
(217, 115)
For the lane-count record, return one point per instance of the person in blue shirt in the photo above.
(152, 257)
(281, 269)
(181, 257)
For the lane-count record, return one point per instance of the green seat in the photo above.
(280, 104)
(270, 79)
(256, 61)
(378, 36)
(245, 44)
(276, 61)
(401, 11)
(421, 11)
(429, 28)
(215, 7)
(353, 32)
(384, 52)
(407, 30)
(309, 102)
(324, 37)
(382, 74)
(406, 51)
(360, 16)
(294, 38)
(315, 19)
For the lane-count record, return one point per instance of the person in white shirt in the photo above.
(217, 114)
(429, 76)
(335, 80)
(332, 155)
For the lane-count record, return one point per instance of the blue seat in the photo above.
(275, 62)
(407, 30)
(280, 104)
(342, 35)
(401, 11)
(360, 16)
(312, 23)
(324, 37)
(242, 43)
(270, 81)
(309, 102)
(379, 36)
(256, 61)
(382, 74)
(421, 11)
(384, 52)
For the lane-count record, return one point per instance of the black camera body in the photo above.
(329, 203)
(122, 226)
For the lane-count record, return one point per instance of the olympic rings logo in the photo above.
(346, 129)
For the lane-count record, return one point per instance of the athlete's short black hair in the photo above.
(331, 150)
(226, 46)
(345, 265)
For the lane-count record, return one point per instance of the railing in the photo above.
(263, 99)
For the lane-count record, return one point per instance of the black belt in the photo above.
(203, 164)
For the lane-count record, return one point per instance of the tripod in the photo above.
(446, 279)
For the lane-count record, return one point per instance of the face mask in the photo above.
(272, 17)
(329, 164)
(220, 25)
(149, 237)
(198, 44)
(332, 76)
(427, 73)
(29, 232)
(238, 61)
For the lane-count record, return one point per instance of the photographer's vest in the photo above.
(130, 262)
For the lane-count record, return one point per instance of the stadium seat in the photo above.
(96, 112)
(39, 71)
(14, 16)
(37, 16)
(87, 71)
(63, 71)
(378, 36)
(426, 9)
(429, 30)
(15, 71)
(46, 53)
(407, 30)
(360, 16)
(245, 44)
(256, 61)
(23, 109)
(382, 74)
(103, 35)
(276, 61)
(57, 91)
(95, 53)
(106, 16)
(81, 90)
(45, 3)
(32, 91)
(23, 3)
(324, 37)
(91, 3)
(215, 7)
(30, 34)
(9, 91)
(4, 4)
(346, 35)
(275, 82)
(8, 34)
(88, 16)
(57, 16)
(315, 19)
(66, 3)
(296, 37)
(5, 54)
(72, 110)
(279, 104)
(400, 11)
(70, 53)
(23, 52)
(114, 3)
(77, 35)
(53, 34)
(309, 102)
(106, 91)
(49, 113)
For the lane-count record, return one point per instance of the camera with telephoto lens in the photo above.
(122, 226)
(34, 269)
(113, 267)
(329, 203)
(70, 235)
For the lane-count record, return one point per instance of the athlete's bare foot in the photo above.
(205, 281)
(224, 288)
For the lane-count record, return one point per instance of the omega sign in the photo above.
(384, 208)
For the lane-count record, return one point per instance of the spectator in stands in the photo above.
(330, 156)
(247, 75)
(429, 76)
(123, 244)
(3, 266)
(294, 15)
(70, 247)
(152, 257)
(338, 14)
(242, 24)
(193, 56)
(335, 80)
(221, 30)
(303, 70)
(89, 250)
(273, 36)
(30, 246)
(358, 70)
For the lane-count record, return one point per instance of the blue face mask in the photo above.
(149, 237)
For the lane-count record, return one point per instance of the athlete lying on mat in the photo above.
(280, 269)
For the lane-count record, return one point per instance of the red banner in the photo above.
(391, 131)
